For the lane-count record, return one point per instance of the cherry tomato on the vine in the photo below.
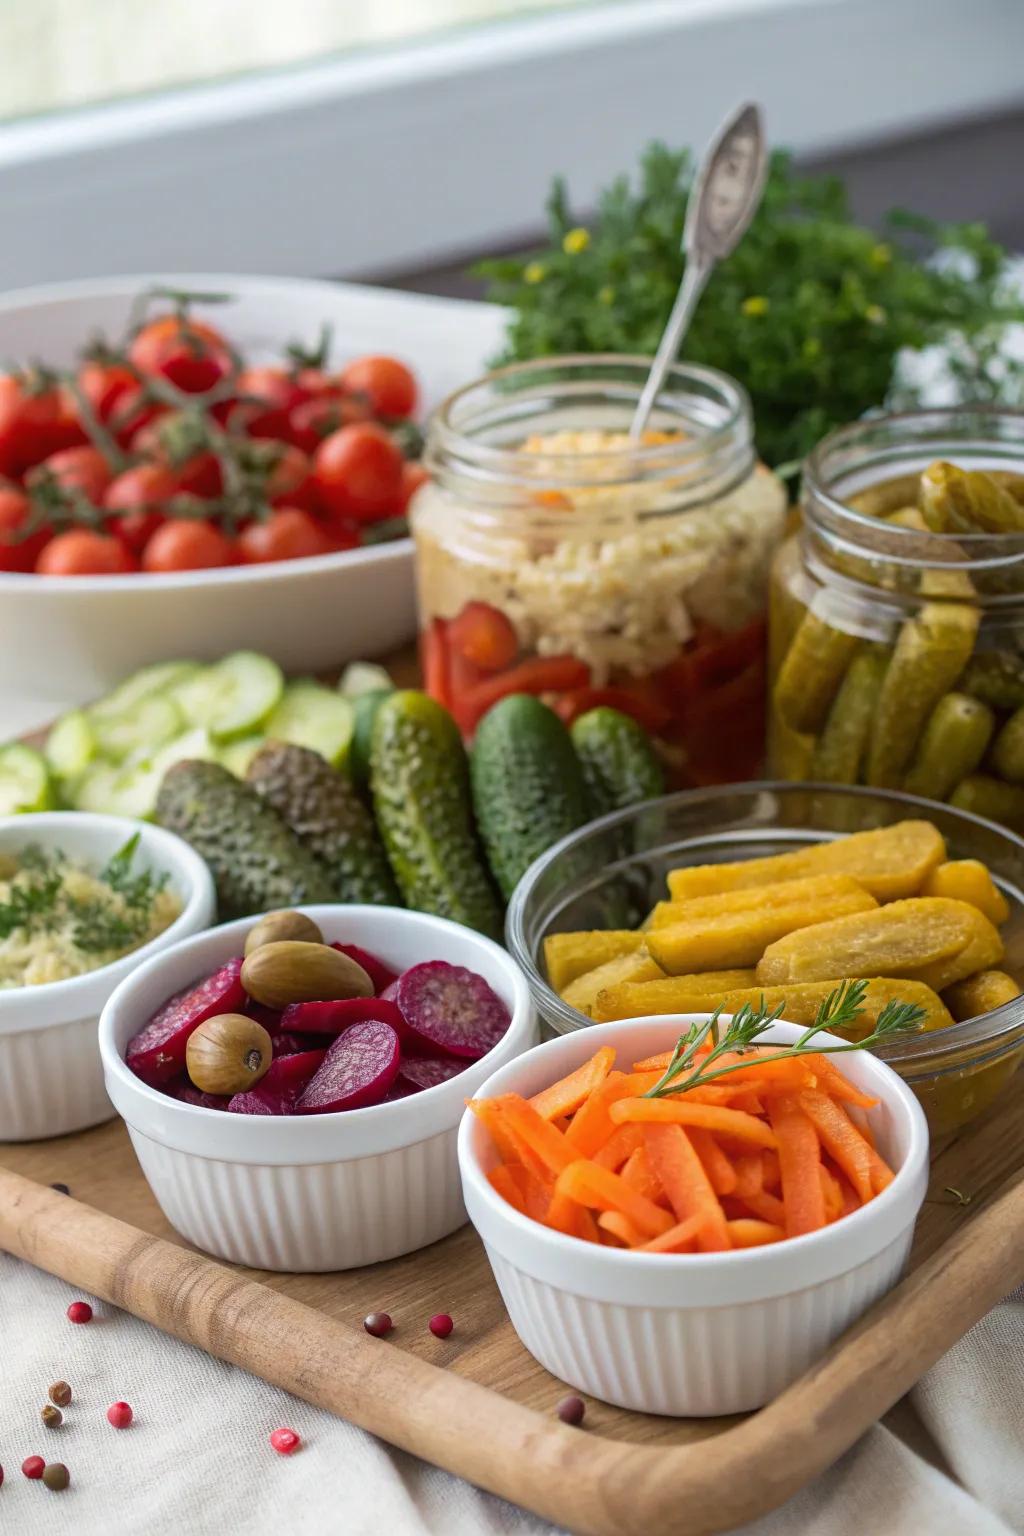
(266, 395)
(164, 440)
(30, 423)
(140, 495)
(188, 544)
(414, 474)
(76, 469)
(310, 422)
(105, 385)
(17, 553)
(387, 384)
(289, 533)
(84, 552)
(290, 480)
(191, 354)
(358, 472)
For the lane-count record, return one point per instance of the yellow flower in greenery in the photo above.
(575, 240)
(881, 255)
(533, 272)
(756, 305)
(875, 315)
(606, 295)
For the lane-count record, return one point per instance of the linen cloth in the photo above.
(196, 1460)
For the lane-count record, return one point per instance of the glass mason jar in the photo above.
(556, 556)
(897, 652)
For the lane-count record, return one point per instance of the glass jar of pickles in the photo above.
(558, 556)
(897, 628)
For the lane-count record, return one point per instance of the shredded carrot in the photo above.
(603, 1190)
(503, 1179)
(771, 1175)
(766, 1207)
(621, 1227)
(832, 1082)
(623, 1141)
(831, 1194)
(717, 1166)
(841, 1138)
(709, 1117)
(749, 1169)
(591, 1125)
(566, 1096)
(800, 1163)
(689, 1190)
(531, 1130)
(746, 1232)
(639, 1174)
(678, 1239)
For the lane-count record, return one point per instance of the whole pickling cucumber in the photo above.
(996, 678)
(931, 652)
(420, 784)
(839, 751)
(954, 742)
(528, 788)
(1008, 749)
(619, 764)
(811, 673)
(984, 796)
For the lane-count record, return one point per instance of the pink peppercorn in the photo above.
(571, 1410)
(441, 1325)
(1, 1477)
(80, 1312)
(285, 1441)
(33, 1466)
(120, 1415)
(378, 1324)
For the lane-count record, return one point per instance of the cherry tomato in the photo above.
(18, 554)
(187, 544)
(358, 472)
(162, 441)
(83, 552)
(133, 412)
(387, 384)
(272, 393)
(30, 424)
(289, 533)
(191, 354)
(311, 421)
(140, 494)
(290, 480)
(484, 636)
(414, 474)
(105, 385)
(77, 469)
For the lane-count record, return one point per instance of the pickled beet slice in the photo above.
(400, 1089)
(380, 974)
(332, 1018)
(188, 1093)
(428, 1071)
(359, 1069)
(449, 1009)
(157, 1052)
(270, 1018)
(286, 1044)
(280, 1086)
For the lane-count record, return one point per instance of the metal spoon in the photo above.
(723, 199)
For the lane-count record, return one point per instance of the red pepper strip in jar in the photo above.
(544, 674)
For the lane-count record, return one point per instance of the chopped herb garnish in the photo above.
(840, 1010)
(38, 901)
(139, 891)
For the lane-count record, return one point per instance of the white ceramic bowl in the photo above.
(692, 1334)
(310, 1192)
(62, 640)
(51, 1079)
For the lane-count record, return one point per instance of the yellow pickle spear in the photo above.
(955, 500)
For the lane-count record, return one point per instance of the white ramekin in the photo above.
(51, 1079)
(310, 1192)
(692, 1334)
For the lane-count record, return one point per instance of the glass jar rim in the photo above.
(451, 439)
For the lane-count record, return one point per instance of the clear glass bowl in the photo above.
(610, 873)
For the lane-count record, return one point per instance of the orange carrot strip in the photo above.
(561, 1214)
(566, 1096)
(663, 1060)
(771, 1177)
(841, 1138)
(832, 1082)
(591, 1127)
(603, 1190)
(831, 1194)
(523, 1122)
(750, 1103)
(766, 1207)
(717, 1166)
(511, 1147)
(639, 1174)
(749, 1171)
(686, 1184)
(746, 1232)
(800, 1161)
(621, 1227)
(678, 1239)
(623, 1140)
(710, 1117)
(502, 1179)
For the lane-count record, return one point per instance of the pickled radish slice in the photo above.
(359, 1069)
(428, 1071)
(380, 974)
(449, 1009)
(278, 1089)
(331, 1018)
(157, 1052)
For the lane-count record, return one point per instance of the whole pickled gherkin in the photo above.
(955, 500)
(886, 496)
(931, 652)
(839, 751)
(953, 744)
(996, 678)
(984, 796)
(1008, 749)
(812, 671)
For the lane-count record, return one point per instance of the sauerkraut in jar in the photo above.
(557, 556)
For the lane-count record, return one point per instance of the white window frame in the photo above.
(381, 161)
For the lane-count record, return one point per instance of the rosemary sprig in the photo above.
(841, 1009)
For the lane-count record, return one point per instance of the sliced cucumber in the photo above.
(71, 745)
(311, 716)
(130, 789)
(233, 697)
(25, 783)
(158, 678)
(364, 677)
(143, 728)
(237, 755)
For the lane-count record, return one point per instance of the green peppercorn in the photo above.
(60, 1393)
(56, 1476)
(52, 1417)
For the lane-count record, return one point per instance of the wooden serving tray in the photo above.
(477, 1404)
